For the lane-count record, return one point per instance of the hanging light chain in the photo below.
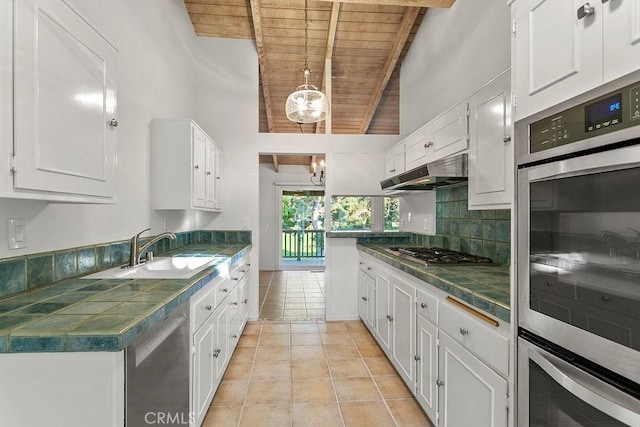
(306, 45)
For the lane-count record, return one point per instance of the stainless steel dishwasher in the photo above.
(157, 373)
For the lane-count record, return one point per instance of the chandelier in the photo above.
(320, 180)
(307, 104)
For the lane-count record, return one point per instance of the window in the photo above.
(364, 213)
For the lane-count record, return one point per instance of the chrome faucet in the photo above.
(136, 250)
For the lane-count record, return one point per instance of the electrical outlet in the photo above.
(17, 233)
(425, 224)
(409, 217)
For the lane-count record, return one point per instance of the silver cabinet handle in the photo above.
(506, 139)
(392, 170)
(234, 336)
(389, 318)
(364, 298)
(216, 353)
(234, 303)
(428, 144)
(113, 122)
(234, 278)
(423, 305)
(246, 301)
(208, 173)
(464, 331)
(208, 307)
(196, 167)
(225, 290)
(585, 10)
(439, 383)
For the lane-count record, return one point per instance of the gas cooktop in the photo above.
(438, 256)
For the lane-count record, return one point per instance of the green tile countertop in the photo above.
(484, 287)
(101, 314)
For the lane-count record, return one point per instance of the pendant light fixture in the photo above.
(307, 104)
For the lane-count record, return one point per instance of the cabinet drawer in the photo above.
(477, 336)
(203, 304)
(238, 273)
(427, 306)
(367, 268)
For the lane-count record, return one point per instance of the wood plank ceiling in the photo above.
(360, 42)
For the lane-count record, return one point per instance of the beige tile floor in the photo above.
(292, 295)
(311, 373)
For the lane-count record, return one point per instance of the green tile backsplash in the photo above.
(22, 273)
(484, 233)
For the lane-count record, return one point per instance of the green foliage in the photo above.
(350, 213)
(298, 212)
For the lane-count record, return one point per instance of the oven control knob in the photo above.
(464, 331)
(605, 298)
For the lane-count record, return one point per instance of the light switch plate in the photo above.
(17, 233)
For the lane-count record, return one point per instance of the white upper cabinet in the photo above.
(416, 147)
(185, 167)
(491, 173)
(443, 136)
(64, 110)
(563, 48)
(448, 133)
(394, 161)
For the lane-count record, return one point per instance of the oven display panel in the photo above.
(604, 113)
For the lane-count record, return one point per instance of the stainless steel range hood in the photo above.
(441, 173)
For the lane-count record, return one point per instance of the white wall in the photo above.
(156, 47)
(454, 53)
(418, 212)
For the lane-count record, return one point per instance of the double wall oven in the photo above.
(578, 260)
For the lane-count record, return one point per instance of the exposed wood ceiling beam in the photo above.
(410, 3)
(262, 61)
(328, 54)
(408, 20)
(275, 162)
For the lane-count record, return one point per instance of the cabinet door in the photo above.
(204, 381)
(427, 367)
(221, 351)
(414, 147)
(371, 303)
(64, 100)
(217, 170)
(210, 178)
(491, 173)
(199, 167)
(472, 394)
(448, 133)
(557, 55)
(362, 296)
(383, 325)
(621, 38)
(403, 323)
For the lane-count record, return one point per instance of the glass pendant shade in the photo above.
(307, 105)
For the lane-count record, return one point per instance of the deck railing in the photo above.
(297, 244)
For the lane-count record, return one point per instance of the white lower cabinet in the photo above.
(427, 366)
(367, 295)
(219, 314)
(456, 363)
(470, 393)
(403, 327)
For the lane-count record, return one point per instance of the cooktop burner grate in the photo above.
(436, 255)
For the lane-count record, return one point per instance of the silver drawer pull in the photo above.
(423, 305)
(225, 290)
(464, 331)
(113, 122)
(217, 352)
(208, 307)
(234, 303)
(389, 318)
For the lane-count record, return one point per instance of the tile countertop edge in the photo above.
(499, 309)
(112, 342)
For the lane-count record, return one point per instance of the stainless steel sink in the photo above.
(176, 267)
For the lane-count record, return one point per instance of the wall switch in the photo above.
(245, 223)
(425, 224)
(17, 233)
(409, 217)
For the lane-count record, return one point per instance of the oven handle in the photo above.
(589, 389)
